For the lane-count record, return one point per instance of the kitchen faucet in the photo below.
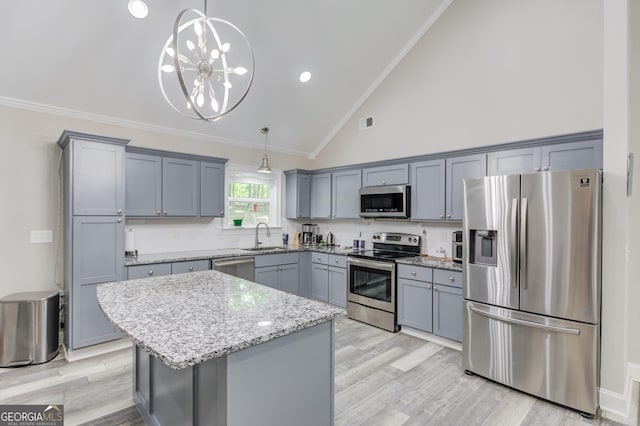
(268, 232)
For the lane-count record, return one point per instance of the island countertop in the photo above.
(187, 319)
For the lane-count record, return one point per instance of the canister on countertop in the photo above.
(285, 239)
(356, 243)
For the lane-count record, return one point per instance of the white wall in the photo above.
(29, 187)
(486, 72)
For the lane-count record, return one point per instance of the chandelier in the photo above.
(212, 61)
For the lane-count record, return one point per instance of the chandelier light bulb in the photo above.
(226, 47)
(170, 52)
(190, 45)
(138, 9)
(240, 70)
(197, 28)
(168, 68)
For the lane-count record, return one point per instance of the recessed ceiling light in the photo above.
(138, 8)
(305, 76)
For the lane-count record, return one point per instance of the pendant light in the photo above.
(212, 61)
(264, 167)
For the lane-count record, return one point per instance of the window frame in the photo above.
(275, 198)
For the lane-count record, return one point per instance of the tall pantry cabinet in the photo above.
(94, 201)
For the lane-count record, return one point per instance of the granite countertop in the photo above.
(432, 262)
(147, 259)
(187, 319)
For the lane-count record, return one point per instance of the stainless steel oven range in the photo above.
(371, 281)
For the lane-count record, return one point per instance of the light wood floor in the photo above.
(381, 378)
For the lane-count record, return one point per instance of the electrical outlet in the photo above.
(44, 236)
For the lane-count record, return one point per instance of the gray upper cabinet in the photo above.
(321, 195)
(180, 187)
(427, 180)
(574, 155)
(211, 189)
(298, 193)
(144, 185)
(98, 178)
(514, 161)
(397, 174)
(345, 190)
(458, 169)
(564, 156)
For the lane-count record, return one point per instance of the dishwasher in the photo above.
(237, 266)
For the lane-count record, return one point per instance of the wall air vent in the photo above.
(365, 123)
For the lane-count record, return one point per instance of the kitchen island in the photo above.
(216, 349)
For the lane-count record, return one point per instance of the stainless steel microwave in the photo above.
(392, 201)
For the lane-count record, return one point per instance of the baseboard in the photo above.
(623, 408)
(431, 338)
(95, 350)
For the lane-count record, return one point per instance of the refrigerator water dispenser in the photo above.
(483, 247)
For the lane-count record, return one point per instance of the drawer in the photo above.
(412, 272)
(191, 266)
(148, 271)
(337, 260)
(320, 258)
(275, 259)
(446, 277)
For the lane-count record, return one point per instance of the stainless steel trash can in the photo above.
(28, 328)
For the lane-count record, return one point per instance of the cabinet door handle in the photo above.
(275, 268)
(452, 279)
(536, 169)
(448, 216)
(384, 182)
(337, 261)
(190, 268)
(164, 212)
(119, 220)
(413, 273)
(435, 288)
(428, 287)
(545, 168)
(222, 213)
(150, 273)
(158, 212)
(441, 216)
(119, 211)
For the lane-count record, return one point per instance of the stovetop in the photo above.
(391, 245)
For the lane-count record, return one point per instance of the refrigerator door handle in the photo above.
(523, 244)
(546, 327)
(514, 243)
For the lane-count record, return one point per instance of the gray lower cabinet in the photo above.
(320, 282)
(180, 187)
(396, 174)
(430, 300)
(345, 194)
(565, 156)
(457, 170)
(279, 271)
(427, 179)
(338, 286)
(329, 278)
(298, 193)
(447, 312)
(415, 297)
(211, 189)
(97, 253)
(321, 195)
(98, 184)
(160, 269)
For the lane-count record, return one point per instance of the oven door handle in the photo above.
(384, 266)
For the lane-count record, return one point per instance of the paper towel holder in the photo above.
(129, 244)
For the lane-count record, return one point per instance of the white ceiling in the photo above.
(91, 56)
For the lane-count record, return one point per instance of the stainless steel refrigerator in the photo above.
(532, 278)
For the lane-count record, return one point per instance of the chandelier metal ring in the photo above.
(205, 67)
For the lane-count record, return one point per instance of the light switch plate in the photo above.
(41, 236)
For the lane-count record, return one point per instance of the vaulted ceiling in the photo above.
(91, 58)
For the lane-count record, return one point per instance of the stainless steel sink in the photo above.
(265, 248)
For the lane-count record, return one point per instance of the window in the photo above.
(252, 197)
